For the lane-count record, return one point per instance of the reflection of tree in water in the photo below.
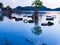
(1, 18)
(37, 30)
(1, 5)
(9, 16)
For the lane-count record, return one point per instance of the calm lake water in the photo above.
(16, 32)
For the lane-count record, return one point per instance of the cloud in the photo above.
(14, 3)
(51, 3)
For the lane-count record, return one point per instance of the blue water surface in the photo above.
(17, 32)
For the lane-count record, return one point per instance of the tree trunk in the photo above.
(36, 17)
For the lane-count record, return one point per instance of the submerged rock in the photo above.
(28, 40)
(43, 44)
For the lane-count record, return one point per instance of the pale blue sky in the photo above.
(14, 3)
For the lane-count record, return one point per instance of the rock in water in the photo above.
(50, 23)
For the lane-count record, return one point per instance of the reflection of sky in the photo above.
(17, 32)
(52, 32)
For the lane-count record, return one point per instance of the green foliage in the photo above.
(37, 30)
(1, 5)
(37, 3)
(8, 7)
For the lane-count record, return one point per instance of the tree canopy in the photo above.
(8, 7)
(1, 5)
(37, 3)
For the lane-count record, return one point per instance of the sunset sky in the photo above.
(14, 3)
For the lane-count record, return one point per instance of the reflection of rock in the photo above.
(37, 30)
(44, 24)
(43, 44)
(24, 15)
(29, 16)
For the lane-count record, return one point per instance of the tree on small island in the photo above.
(8, 7)
(1, 5)
(37, 4)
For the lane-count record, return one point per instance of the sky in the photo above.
(14, 3)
